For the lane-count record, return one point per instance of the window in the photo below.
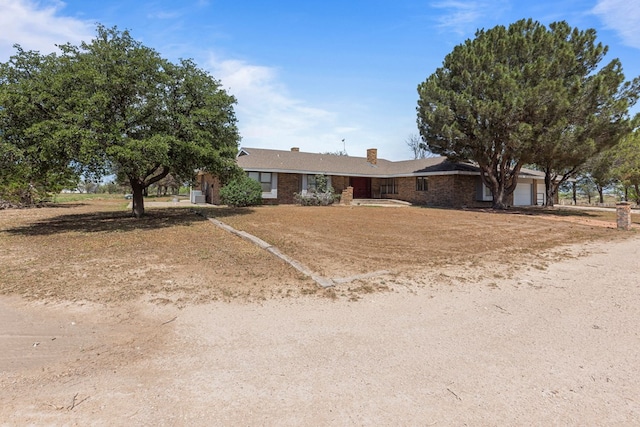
(422, 184)
(486, 194)
(388, 186)
(264, 178)
(311, 182)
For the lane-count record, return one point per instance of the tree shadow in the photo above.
(109, 221)
(531, 211)
(554, 211)
(223, 212)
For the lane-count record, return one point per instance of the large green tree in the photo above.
(508, 98)
(584, 110)
(122, 108)
(35, 146)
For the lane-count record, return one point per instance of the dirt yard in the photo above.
(479, 318)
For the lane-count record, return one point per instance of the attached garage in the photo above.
(523, 195)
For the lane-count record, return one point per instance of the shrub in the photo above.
(241, 191)
(322, 195)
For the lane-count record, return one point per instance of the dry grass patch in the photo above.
(96, 251)
(343, 241)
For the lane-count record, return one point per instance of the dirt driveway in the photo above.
(552, 346)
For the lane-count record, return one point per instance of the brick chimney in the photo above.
(296, 149)
(372, 156)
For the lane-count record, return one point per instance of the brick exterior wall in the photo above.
(339, 183)
(288, 184)
(210, 187)
(443, 190)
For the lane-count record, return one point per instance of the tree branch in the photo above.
(165, 172)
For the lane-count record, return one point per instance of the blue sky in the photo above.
(311, 73)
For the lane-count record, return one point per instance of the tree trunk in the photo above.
(550, 190)
(498, 199)
(138, 198)
(575, 193)
(499, 205)
(601, 194)
(500, 188)
(550, 197)
(637, 188)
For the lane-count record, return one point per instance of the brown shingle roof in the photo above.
(266, 160)
(260, 159)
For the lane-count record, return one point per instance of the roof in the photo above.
(260, 159)
(266, 160)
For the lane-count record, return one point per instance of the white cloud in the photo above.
(38, 26)
(461, 17)
(270, 117)
(164, 15)
(622, 16)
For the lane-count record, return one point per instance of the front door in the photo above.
(361, 187)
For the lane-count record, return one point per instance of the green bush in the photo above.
(241, 191)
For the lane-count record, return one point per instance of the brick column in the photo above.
(347, 196)
(623, 215)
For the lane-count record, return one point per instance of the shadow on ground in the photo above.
(538, 211)
(218, 212)
(559, 212)
(108, 221)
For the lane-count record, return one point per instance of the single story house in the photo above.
(432, 181)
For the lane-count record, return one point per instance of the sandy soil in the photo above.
(559, 346)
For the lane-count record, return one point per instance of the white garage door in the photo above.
(522, 195)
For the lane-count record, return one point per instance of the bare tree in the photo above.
(418, 147)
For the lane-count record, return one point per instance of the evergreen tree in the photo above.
(626, 163)
(524, 95)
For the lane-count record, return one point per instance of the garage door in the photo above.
(522, 195)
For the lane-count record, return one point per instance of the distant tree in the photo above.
(569, 189)
(626, 163)
(167, 183)
(502, 100)
(87, 186)
(419, 149)
(586, 187)
(111, 187)
(599, 171)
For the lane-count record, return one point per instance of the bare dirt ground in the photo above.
(107, 322)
